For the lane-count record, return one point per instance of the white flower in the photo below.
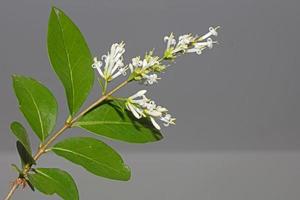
(161, 109)
(185, 39)
(141, 106)
(136, 111)
(183, 42)
(97, 65)
(189, 43)
(150, 61)
(167, 119)
(155, 124)
(182, 45)
(212, 32)
(198, 47)
(134, 103)
(142, 69)
(144, 64)
(135, 63)
(114, 65)
(209, 43)
(150, 106)
(196, 50)
(150, 79)
(170, 40)
(139, 98)
(174, 47)
(152, 112)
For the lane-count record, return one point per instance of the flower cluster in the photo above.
(145, 70)
(114, 65)
(188, 43)
(141, 106)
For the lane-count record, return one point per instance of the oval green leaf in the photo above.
(51, 181)
(70, 58)
(108, 120)
(26, 158)
(20, 132)
(95, 156)
(37, 103)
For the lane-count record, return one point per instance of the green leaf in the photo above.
(25, 156)
(95, 156)
(109, 121)
(20, 132)
(54, 181)
(70, 57)
(37, 103)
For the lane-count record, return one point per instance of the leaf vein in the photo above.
(38, 112)
(69, 63)
(88, 158)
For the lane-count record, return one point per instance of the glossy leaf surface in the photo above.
(37, 103)
(70, 58)
(108, 120)
(54, 181)
(95, 156)
(25, 156)
(20, 132)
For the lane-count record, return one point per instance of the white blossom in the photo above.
(142, 68)
(150, 79)
(139, 98)
(183, 43)
(140, 93)
(212, 32)
(134, 103)
(189, 44)
(209, 43)
(141, 106)
(135, 63)
(144, 64)
(170, 41)
(155, 124)
(161, 109)
(136, 111)
(114, 65)
(167, 119)
(198, 47)
(181, 46)
(97, 65)
(150, 61)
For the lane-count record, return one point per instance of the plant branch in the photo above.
(42, 149)
(12, 190)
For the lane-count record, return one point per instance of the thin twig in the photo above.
(12, 190)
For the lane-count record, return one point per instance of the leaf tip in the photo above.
(159, 136)
(128, 173)
(14, 123)
(56, 10)
(14, 76)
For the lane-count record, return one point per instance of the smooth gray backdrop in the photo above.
(243, 94)
(237, 105)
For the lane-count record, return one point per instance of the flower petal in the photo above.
(155, 124)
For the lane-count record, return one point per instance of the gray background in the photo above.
(237, 105)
